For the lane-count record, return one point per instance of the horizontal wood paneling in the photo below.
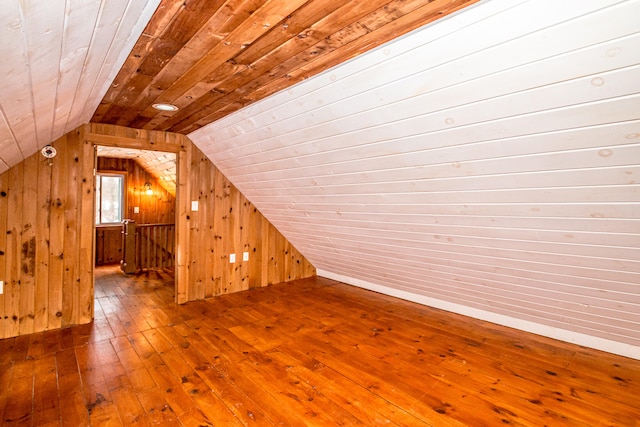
(494, 169)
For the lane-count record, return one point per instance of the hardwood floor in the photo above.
(314, 352)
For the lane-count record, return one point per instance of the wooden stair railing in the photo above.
(155, 246)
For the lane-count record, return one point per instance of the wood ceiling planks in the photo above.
(213, 58)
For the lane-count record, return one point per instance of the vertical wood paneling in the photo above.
(28, 229)
(158, 208)
(43, 239)
(69, 161)
(210, 261)
(56, 241)
(47, 232)
(87, 235)
(182, 226)
(486, 164)
(4, 208)
(221, 226)
(46, 259)
(227, 223)
(13, 251)
(197, 222)
(108, 245)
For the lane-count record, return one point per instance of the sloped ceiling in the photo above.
(210, 58)
(487, 164)
(160, 165)
(68, 62)
(58, 58)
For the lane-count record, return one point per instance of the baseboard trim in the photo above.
(610, 346)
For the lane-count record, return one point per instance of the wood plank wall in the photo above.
(227, 223)
(153, 209)
(108, 245)
(46, 239)
(47, 232)
(218, 228)
(157, 208)
(486, 164)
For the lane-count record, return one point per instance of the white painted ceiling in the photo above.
(58, 59)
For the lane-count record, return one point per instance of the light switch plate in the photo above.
(194, 206)
(1, 287)
(245, 256)
(232, 258)
(136, 209)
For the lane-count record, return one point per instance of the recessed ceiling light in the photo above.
(165, 107)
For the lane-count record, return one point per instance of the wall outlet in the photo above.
(232, 258)
(136, 209)
(1, 287)
(194, 206)
(245, 256)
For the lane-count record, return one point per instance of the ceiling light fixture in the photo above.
(165, 107)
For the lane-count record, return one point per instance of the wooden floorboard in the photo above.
(312, 352)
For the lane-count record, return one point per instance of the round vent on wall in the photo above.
(49, 152)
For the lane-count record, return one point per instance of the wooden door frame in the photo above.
(118, 136)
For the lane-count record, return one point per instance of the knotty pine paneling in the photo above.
(108, 245)
(46, 262)
(158, 208)
(47, 232)
(205, 238)
(486, 164)
(53, 80)
(227, 223)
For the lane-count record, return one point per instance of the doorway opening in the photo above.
(135, 227)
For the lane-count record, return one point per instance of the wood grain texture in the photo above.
(214, 58)
(48, 233)
(310, 352)
(466, 166)
(162, 166)
(44, 256)
(158, 207)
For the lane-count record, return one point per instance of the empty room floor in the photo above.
(308, 353)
